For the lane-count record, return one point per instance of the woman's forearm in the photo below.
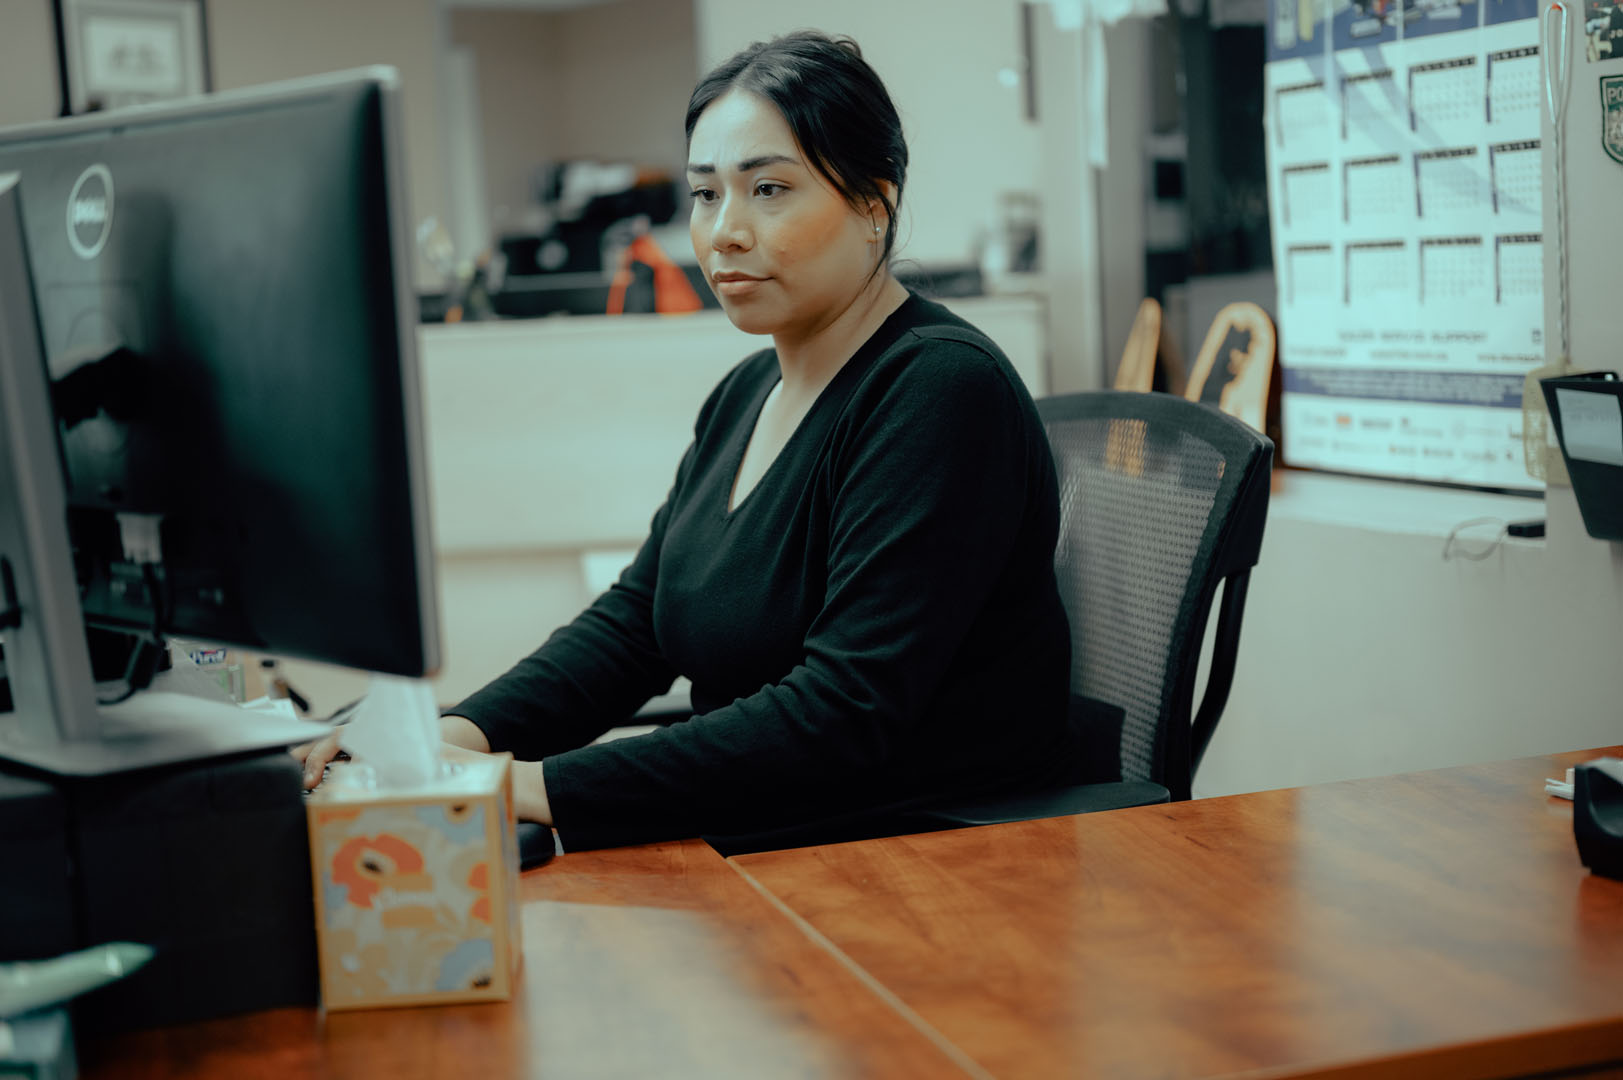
(460, 731)
(530, 793)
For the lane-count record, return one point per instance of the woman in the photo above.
(855, 563)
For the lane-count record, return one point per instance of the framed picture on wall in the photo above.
(113, 53)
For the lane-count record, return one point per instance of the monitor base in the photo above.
(158, 728)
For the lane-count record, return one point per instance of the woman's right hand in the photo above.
(316, 756)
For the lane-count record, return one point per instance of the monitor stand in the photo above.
(154, 728)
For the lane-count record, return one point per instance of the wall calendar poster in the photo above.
(1404, 172)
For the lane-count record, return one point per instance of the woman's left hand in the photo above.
(529, 787)
(530, 792)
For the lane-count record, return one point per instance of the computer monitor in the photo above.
(225, 345)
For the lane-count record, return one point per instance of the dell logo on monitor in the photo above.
(90, 212)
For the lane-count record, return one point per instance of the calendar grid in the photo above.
(1518, 266)
(1366, 97)
(1516, 175)
(1372, 187)
(1375, 270)
(1447, 181)
(1306, 193)
(1513, 82)
(1310, 268)
(1443, 92)
(1301, 112)
(1451, 268)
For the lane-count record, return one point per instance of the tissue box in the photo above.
(416, 888)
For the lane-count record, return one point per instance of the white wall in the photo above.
(1072, 266)
(1364, 653)
(939, 59)
(462, 134)
(1124, 188)
(252, 41)
(517, 75)
(28, 76)
(608, 81)
(256, 42)
(1594, 226)
(628, 68)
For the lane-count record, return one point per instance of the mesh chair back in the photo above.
(1160, 500)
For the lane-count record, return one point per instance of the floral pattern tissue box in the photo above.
(417, 888)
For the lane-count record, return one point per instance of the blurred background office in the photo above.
(1049, 193)
(519, 112)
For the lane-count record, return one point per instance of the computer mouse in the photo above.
(535, 845)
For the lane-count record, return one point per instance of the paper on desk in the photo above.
(396, 731)
(1591, 425)
(281, 707)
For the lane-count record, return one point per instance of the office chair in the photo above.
(1161, 500)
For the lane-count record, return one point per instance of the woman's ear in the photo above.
(878, 211)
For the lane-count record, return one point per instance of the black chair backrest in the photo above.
(1160, 500)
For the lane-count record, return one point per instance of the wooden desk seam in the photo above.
(901, 1008)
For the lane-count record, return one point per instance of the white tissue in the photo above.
(395, 731)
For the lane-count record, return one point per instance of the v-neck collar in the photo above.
(889, 331)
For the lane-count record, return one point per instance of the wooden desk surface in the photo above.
(1426, 925)
(657, 961)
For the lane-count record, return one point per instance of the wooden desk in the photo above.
(1426, 925)
(657, 961)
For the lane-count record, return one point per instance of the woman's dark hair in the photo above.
(835, 106)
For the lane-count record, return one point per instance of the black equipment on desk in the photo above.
(1597, 815)
(36, 899)
(208, 863)
(1587, 410)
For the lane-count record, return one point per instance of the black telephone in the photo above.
(1597, 815)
